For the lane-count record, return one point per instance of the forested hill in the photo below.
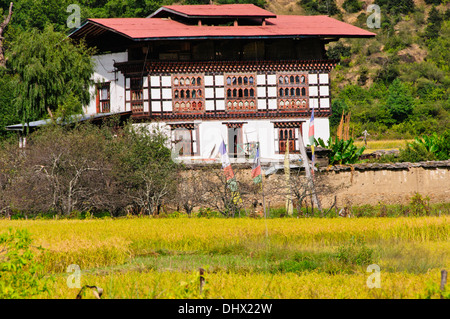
(395, 85)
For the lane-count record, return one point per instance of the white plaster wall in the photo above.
(321, 129)
(212, 133)
(104, 72)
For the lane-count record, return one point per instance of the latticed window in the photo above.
(188, 93)
(287, 135)
(292, 91)
(137, 95)
(103, 98)
(240, 92)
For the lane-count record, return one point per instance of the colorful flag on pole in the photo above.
(256, 168)
(231, 180)
(311, 138)
(226, 165)
(287, 173)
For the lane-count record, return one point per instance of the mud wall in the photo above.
(361, 184)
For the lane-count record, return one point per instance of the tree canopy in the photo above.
(51, 70)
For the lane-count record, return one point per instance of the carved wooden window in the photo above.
(103, 98)
(187, 93)
(287, 135)
(240, 92)
(185, 139)
(137, 95)
(292, 91)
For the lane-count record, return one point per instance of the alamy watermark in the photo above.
(74, 20)
(374, 20)
(74, 280)
(374, 280)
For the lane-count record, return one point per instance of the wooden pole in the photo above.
(263, 196)
(202, 279)
(443, 281)
(308, 174)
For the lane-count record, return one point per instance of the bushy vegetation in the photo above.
(86, 169)
(397, 84)
(20, 275)
(342, 152)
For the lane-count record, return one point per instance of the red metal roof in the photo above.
(281, 26)
(209, 10)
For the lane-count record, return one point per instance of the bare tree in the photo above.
(228, 197)
(62, 171)
(191, 188)
(3, 25)
(301, 188)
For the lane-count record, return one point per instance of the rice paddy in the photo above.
(243, 257)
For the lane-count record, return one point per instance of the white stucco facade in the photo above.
(158, 100)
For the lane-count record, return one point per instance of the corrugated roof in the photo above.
(75, 118)
(214, 11)
(281, 26)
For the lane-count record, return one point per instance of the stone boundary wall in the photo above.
(391, 183)
(359, 184)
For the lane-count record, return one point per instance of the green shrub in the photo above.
(427, 148)
(352, 6)
(297, 266)
(420, 206)
(320, 6)
(338, 51)
(342, 152)
(355, 253)
(20, 275)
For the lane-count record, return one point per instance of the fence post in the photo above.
(443, 281)
(202, 279)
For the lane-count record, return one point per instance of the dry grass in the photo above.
(373, 146)
(155, 258)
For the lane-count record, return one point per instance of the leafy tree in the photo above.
(51, 70)
(143, 165)
(337, 107)
(40, 13)
(440, 48)
(352, 6)
(434, 23)
(8, 115)
(320, 6)
(397, 6)
(399, 101)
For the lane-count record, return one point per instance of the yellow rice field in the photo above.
(159, 258)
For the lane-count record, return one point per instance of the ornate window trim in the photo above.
(292, 91)
(188, 93)
(240, 92)
(287, 130)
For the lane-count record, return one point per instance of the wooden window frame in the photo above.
(282, 130)
(137, 94)
(194, 138)
(103, 105)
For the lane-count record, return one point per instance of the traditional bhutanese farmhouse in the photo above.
(207, 73)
